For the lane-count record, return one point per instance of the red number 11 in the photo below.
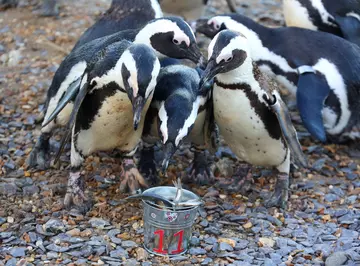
(161, 250)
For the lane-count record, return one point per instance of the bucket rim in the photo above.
(160, 208)
(191, 196)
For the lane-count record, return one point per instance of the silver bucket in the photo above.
(168, 231)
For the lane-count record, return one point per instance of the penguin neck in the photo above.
(239, 75)
(252, 31)
(113, 74)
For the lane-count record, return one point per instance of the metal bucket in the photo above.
(168, 231)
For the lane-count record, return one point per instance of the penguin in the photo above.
(321, 69)
(49, 8)
(178, 114)
(168, 36)
(248, 109)
(190, 9)
(122, 15)
(114, 95)
(341, 18)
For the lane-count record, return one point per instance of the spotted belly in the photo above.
(112, 127)
(243, 130)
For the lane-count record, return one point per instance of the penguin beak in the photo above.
(203, 27)
(138, 106)
(194, 54)
(169, 150)
(210, 72)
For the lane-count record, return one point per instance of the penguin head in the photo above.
(171, 37)
(140, 69)
(176, 123)
(211, 27)
(226, 52)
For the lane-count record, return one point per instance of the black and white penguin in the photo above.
(170, 36)
(249, 111)
(178, 113)
(337, 17)
(321, 69)
(122, 15)
(190, 9)
(114, 95)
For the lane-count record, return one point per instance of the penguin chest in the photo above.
(112, 126)
(150, 132)
(244, 131)
(296, 15)
(190, 9)
(197, 133)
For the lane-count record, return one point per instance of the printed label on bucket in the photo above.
(166, 241)
(160, 249)
(171, 216)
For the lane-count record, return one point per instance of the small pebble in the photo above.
(336, 259)
(98, 223)
(197, 251)
(128, 244)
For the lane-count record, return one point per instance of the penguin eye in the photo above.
(229, 59)
(217, 26)
(176, 42)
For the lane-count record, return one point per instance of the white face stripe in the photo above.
(153, 82)
(114, 74)
(130, 64)
(257, 49)
(354, 15)
(161, 26)
(163, 118)
(336, 83)
(296, 15)
(212, 45)
(157, 9)
(184, 131)
(237, 43)
(325, 15)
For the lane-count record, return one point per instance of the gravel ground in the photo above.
(320, 227)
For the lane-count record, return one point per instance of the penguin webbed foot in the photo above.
(242, 181)
(39, 156)
(75, 195)
(147, 165)
(132, 179)
(280, 196)
(200, 171)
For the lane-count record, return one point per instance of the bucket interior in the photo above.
(170, 193)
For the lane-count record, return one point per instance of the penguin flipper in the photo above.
(71, 92)
(288, 131)
(312, 90)
(168, 61)
(350, 27)
(211, 130)
(69, 127)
